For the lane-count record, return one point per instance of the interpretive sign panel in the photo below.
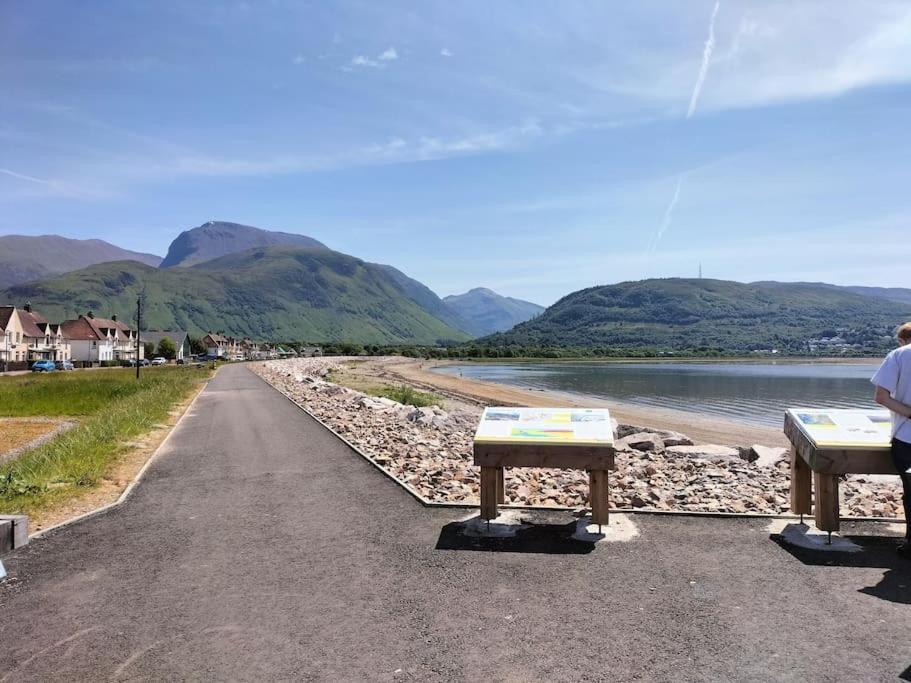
(546, 426)
(841, 428)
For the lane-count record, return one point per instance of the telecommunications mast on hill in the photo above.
(700, 271)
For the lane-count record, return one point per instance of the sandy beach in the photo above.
(702, 429)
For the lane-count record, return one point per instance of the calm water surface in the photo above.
(750, 392)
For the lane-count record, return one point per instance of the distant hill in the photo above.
(24, 258)
(219, 238)
(266, 293)
(488, 312)
(426, 299)
(689, 313)
(889, 293)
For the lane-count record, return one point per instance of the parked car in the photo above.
(64, 365)
(159, 361)
(181, 361)
(145, 362)
(129, 363)
(43, 366)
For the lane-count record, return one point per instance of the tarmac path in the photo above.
(259, 547)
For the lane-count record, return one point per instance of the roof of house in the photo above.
(80, 329)
(217, 338)
(155, 336)
(6, 312)
(107, 323)
(30, 321)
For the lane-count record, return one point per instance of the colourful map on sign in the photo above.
(555, 426)
(839, 428)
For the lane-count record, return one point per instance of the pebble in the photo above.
(431, 450)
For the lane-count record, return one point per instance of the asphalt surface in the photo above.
(259, 547)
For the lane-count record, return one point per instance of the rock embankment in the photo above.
(431, 450)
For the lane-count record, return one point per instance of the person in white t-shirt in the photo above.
(893, 391)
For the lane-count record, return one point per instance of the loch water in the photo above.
(757, 393)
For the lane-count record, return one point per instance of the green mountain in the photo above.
(677, 314)
(220, 238)
(489, 312)
(424, 297)
(899, 294)
(24, 258)
(266, 293)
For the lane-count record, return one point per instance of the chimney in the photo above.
(89, 315)
(114, 317)
(28, 307)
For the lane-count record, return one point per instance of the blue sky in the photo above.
(534, 148)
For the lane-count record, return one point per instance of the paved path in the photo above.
(258, 547)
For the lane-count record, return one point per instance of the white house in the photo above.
(90, 343)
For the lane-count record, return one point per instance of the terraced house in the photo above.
(12, 344)
(98, 340)
(220, 346)
(28, 336)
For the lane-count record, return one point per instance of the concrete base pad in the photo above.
(811, 538)
(504, 526)
(621, 528)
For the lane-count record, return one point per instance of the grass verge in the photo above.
(409, 396)
(112, 408)
(348, 376)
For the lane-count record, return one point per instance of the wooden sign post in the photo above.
(828, 443)
(564, 438)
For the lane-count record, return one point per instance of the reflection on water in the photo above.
(751, 392)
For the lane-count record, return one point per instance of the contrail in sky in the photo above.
(22, 176)
(706, 59)
(694, 100)
(668, 216)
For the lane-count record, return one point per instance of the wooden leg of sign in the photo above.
(501, 485)
(488, 493)
(801, 486)
(598, 496)
(826, 501)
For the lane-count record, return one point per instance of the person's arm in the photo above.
(884, 398)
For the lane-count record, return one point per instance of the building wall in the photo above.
(14, 347)
(91, 351)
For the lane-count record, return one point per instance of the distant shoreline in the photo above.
(700, 427)
(783, 360)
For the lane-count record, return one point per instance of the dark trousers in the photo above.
(901, 458)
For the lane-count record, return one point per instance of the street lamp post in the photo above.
(138, 327)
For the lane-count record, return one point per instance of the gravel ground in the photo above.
(430, 449)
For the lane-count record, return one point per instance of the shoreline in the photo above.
(695, 360)
(429, 449)
(701, 428)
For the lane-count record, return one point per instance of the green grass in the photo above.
(71, 393)
(409, 396)
(112, 408)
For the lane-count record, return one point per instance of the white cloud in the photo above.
(446, 52)
(299, 59)
(393, 151)
(361, 60)
(769, 53)
(380, 62)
